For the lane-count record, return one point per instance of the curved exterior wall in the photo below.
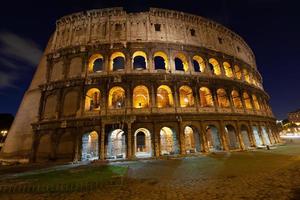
(59, 106)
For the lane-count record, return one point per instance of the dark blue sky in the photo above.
(270, 27)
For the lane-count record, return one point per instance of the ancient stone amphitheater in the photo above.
(118, 85)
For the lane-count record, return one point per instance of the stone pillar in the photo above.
(203, 137)
(181, 138)
(156, 141)
(102, 142)
(129, 141)
(223, 136)
(239, 135)
(215, 99)
(251, 134)
(76, 156)
(243, 101)
(228, 94)
(176, 97)
(260, 135)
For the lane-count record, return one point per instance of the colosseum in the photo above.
(117, 85)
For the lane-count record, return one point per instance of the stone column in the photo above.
(223, 136)
(204, 139)
(102, 142)
(251, 134)
(260, 135)
(215, 99)
(156, 135)
(239, 135)
(182, 138)
(129, 141)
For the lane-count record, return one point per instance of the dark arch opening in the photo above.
(140, 140)
(98, 65)
(196, 66)
(118, 63)
(179, 64)
(159, 62)
(139, 62)
(211, 68)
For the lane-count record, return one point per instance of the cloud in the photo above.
(9, 64)
(7, 80)
(20, 49)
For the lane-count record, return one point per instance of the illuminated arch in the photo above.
(96, 63)
(199, 64)
(255, 101)
(92, 100)
(228, 70)
(181, 63)
(142, 140)
(247, 100)
(116, 98)
(161, 60)
(116, 144)
(186, 97)
(164, 97)
(237, 102)
(117, 61)
(222, 98)
(139, 60)
(246, 75)
(90, 146)
(206, 98)
(140, 97)
(214, 66)
(237, 71)
(168, 141)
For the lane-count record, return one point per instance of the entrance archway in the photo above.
(142, 143)
(232, 138)
(257, 138)
(116, 147)
(213, 138)
(168, 142)
(192, 140)
(89, 149)
(245, 136)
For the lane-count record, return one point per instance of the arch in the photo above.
(247, 101)
(181, 63)
(139, 60)
(90, 146)
(213, 138)
(245, 136)
(228, 70)
(161, 60)
(199, 64)
(265, 135)
(164, 97)
(246, 75)
(255, 101)
(206, 98)
(232, 138)
(168, 141)
(186, 97)
(214, 66)
(237, 102)
(117, 61)
(257, 137)
(92, 99)
(192, 140)
(237, 71)
(222, 98)
(96, 63)
(142, 141)
(116, 98)
(140, 97)
(116, 145)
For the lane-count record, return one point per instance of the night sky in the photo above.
(270, 27)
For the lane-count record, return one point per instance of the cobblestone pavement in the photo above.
(261, 174)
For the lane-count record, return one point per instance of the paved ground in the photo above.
(262, 174)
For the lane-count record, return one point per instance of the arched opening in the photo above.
(96, 63)
(214, 66)
(232, 138)
(198, 63)
(237, 102)
(237, 71)
(228, 70)
(257, 138)
(255, 101)
(222, 98)
(247, 101)
(92, 100)
(164, 97)
(116, 98)
(117, 61)
(265, 135)
(161, 61)
(245, 136)
(168, 142)
(206, 98)
(140, 97)
(181, 63)
(246, 75)
(139, 61)
(89, 149)
(186, 97)
(116, 146)
(213, 138)
(142, 143)
(192, 140)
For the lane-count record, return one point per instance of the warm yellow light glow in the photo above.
(228, 70)
(116, 98)
(164, 97)
(237, 102)
(256, 103)
(200, 62)
(186, 97)
(206, 98)
(222, 98)
(164, 56)
(92, 100)
(183, 59)
(247, 100)
(237, 72)
(140, 97)
(92, 59)
(216, 66)
(113, 56)
(246, 75)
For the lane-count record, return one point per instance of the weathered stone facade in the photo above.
(194, 73)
